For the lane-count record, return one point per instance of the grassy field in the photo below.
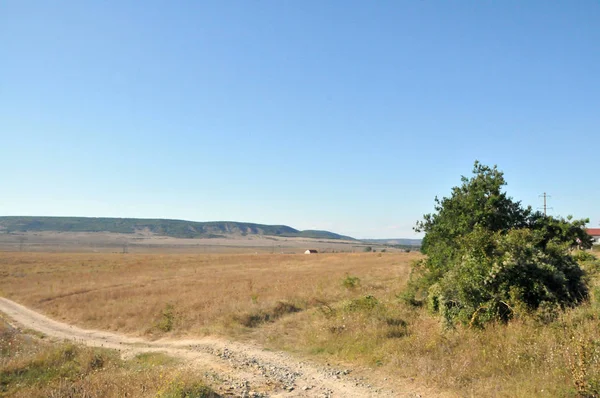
(203, 293)
(337, 307)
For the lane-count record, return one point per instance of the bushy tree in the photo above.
(488, 257)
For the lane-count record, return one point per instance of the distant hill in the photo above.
(395, 242)
(173, 228)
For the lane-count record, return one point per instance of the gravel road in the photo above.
(234, 369)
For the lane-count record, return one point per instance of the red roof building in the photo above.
(594, 233)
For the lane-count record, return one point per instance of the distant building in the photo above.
(595, 234)
(311, 251)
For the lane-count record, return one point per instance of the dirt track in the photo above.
(240, 369)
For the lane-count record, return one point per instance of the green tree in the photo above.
(488, 257)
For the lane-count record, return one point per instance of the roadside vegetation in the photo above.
(33, 367)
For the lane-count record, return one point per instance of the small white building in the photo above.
(311, 251)
(595, 234)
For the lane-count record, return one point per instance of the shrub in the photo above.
(361, 304)
(350, 282)
(583, 256)
(489, 259)
(588, 262)
(259, 317)
(167, 318)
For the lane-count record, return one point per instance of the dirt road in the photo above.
(237, 369)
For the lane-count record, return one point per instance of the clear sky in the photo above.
(349, 116)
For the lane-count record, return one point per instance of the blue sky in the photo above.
(349, 116)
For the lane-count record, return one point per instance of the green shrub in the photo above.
(582, 256)
(489, 259)
(167, 318)
(365, 303)
(589, 262)
(350, 282)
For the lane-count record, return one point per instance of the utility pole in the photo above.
(546, 208)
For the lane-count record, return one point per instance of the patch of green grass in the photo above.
(148, 360)
(63, 362)
(35, 333)
(31, 367)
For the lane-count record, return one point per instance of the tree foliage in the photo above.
(488, 257)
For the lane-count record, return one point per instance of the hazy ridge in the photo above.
(395, 241)
(164, 227)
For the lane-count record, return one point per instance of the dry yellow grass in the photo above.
(130, 293)
(366, 324)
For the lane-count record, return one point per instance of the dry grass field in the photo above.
(134, 293)
(342, 308)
